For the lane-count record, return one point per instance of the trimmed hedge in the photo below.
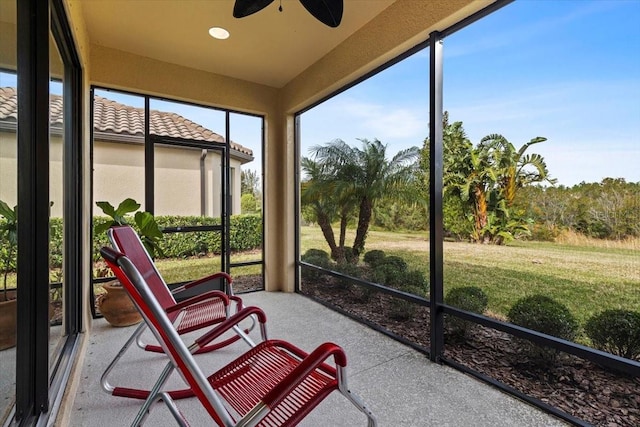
(616, 331)
(467, 298)
(543, 314)
(245, 234)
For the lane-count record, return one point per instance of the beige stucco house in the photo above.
(119, 156)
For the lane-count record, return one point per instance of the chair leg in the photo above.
(154, 395)
(104, 379)
(134, 393)
(356, 400)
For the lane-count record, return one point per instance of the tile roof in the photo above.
(111, 117)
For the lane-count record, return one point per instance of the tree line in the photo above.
(494, 191)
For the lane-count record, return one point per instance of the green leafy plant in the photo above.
(543, 314)
(9, 230)
(616, 331)
(401, 309)
(396, 262)
(148, 228)
(311, 273)
(314, 253)
(468, 298)
(374, 257)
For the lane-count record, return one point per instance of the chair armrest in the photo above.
(203, 280)
(199, 298)
(230, 323)
(311, 362)
(238, 301)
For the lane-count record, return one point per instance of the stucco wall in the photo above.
(119, 173)
(8, 172)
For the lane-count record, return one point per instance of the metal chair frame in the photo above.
(273, 384)
(198, 312)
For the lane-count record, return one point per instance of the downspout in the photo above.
(203, 180)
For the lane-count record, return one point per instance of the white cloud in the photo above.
(386, 122)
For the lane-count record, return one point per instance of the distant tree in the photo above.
(249, 182)
(248, 203)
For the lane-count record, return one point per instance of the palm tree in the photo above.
(361, 177)
(317, 193)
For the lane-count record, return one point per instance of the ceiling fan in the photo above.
(329, 12)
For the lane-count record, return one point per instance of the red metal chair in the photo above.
(198, 312)
(273, 384)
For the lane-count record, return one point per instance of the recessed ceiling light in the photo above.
(218, 33)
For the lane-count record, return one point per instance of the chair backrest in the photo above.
(161, 326)
(125, 240)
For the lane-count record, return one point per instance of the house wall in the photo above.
(119, 173)
(8, 172)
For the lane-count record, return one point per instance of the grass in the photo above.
(587, 275)
(587, 279)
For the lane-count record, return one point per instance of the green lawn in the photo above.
(586, 279)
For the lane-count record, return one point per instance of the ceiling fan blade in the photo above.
(244, 8)
(329, 12)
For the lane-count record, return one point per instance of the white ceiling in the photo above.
(268, 47)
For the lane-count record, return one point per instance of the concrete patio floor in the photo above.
(400, 385)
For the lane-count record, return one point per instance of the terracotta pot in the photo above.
(116, 306)
(8, 320)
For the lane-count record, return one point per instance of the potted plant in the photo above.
(116, 306)
(8, 305)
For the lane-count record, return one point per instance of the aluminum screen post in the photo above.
(436, 233)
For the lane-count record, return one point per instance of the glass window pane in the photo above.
(118, 161)
(8, 194)
(56, 194)
(188, 180)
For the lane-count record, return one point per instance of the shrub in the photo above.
(314, 253)
(402, 309)
(248, 203)
(347, 269)
(315, 259)
(361, 293)
(374, 257)
(388, 275)
(415, 279)
(468, 298)
(395, 261)
(543, 314)
(616, 331)
(348, 254)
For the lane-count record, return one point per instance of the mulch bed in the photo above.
(578, 387)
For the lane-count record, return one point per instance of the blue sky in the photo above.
(566, 70)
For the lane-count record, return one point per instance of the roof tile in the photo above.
(111, 116)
